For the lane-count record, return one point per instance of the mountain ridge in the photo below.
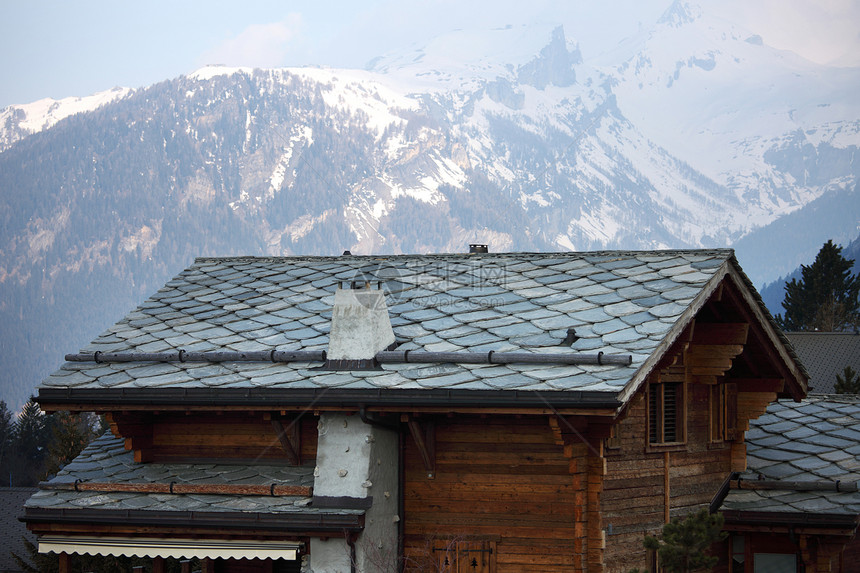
(101, 208)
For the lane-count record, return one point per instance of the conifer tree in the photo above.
(826, 296)
(684, 544)
(71, 434)
(31, 439)
(7, 433)
(848, 382)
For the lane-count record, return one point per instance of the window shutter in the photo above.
(731, 411)
(717, 414)
(653, 413)
(671, 413)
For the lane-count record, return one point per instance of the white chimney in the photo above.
(360, 326)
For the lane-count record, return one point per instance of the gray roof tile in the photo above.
(514, 301)
(792, 443)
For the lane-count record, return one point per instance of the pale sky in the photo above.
(59, 49)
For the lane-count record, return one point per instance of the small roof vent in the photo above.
(478, 248)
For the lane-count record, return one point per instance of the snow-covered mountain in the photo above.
(19, 121)
(741, 112)
(692, 134)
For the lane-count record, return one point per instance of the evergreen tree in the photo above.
(848, 382)
(826, 296)
(684, 544)
(35, 562)
(71, 434)
(7, 432)
(32, 434)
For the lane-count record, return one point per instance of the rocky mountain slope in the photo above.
(694, 134)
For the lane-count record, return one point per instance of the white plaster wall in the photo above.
(358, 460)
(329, 556)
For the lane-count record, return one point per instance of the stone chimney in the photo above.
(357, 463)
(360, 326)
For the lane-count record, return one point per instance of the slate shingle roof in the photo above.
(12, 531)
(105, 460)
(816, 440)
(826, 354)
(617, 302)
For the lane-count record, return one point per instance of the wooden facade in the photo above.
(207, 436)
(501, 482)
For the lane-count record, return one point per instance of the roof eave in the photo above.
(291, 523)
(641, 375)
(320, 398)
(780, 518)
(797, 381)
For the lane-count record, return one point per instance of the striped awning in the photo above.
(174, 547)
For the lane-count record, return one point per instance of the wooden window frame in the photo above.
(613, 442)
(656, 414)
(723, 409)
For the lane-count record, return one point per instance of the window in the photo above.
(724, 408)
(738, 553)
(613, 442)
(666, 413)
(774, 563)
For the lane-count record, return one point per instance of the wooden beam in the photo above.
(751, 405)
(797, 389)
(675, 353)
(581, 430)
(739, 456)
(290, 439)
(65, 563)
(424, 435)
(667, 495)
(712, 359)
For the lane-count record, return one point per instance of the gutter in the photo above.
(301, 522)
(771, 518)
(834, 486)
(273, 398)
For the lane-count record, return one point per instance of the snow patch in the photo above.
(45, 113)
(213, 71)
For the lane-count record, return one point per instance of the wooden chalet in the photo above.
(478, 412)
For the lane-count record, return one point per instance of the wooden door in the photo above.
(465, 556)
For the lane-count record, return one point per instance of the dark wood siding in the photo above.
(635, 493)
(502, 479)
(214, 437)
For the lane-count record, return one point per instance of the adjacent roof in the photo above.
(826, 354)
(12, 532)
(812, 449)
(106, 461)
(633, 303)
